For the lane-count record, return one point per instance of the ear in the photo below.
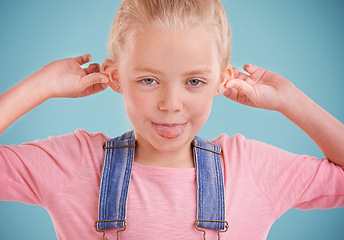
(109, 68)
(226, 76)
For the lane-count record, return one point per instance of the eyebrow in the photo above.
(147, 69)
(199, 71)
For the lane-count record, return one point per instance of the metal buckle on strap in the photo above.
(117, 233)
(218, 232)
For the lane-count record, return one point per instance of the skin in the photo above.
(171, 99)
(264, 89)
(62, 78)
(168, 85)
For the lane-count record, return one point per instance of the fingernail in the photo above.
(87, 57)
(105, 80)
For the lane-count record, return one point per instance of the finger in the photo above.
(246, 79)
(92, 83)
(238, 74)
(92, 68)
(237, 96)
(250, 68)
(83, 59)
(93, 89)
(250, 81)
(231, 93)
(256, 72)
(99, 87)
(94, 78)
(242, 87)
(243, 76)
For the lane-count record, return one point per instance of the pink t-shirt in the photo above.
(262, 182)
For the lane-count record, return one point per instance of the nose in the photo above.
(171, 100)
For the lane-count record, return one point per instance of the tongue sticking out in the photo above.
(169, 131)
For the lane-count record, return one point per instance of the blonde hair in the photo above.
(133, 15)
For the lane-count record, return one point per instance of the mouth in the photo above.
(169, 130)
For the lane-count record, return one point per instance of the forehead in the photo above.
(176, 50)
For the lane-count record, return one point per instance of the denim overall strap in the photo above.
(114, 184)
(116, 174)
(210, 185)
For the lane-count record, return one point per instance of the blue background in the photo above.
(299, 39)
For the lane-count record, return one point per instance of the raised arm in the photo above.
(264, 89)
(62, 78)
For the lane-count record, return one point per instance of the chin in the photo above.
(170, 145)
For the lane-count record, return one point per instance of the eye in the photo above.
(195, 82)
(148, 81)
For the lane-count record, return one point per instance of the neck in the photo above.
(146, 154)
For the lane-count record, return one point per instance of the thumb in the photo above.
(91, 84)
(94, 78)
(242, 87)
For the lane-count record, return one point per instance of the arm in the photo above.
(63, 78)
(325, 130)
(265, 89)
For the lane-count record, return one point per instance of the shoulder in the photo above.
(84, 135)
(249, 147)
(78, 137)
(252, 153)
(234, 150)
(38, 170)
(224, 139)
(230, 143)
(90, 143)
(72, 145)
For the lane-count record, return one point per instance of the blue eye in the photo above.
(195, 82)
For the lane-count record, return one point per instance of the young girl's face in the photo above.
(168, 80)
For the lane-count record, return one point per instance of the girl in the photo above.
(169, 61)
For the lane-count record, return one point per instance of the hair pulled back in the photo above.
(134, 15)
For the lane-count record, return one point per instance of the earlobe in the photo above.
(108, 68)
(226, 76)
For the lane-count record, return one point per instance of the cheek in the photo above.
(132, 100)
(132, 104)
(201, 108)
(137, 105)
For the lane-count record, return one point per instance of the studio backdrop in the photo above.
(300, 39)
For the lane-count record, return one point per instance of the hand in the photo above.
(259, 88)
(66, 78)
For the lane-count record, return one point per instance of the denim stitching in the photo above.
(217, 209)
(208, 167)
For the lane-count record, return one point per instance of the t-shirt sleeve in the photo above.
(295, 181)
(35, 172)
